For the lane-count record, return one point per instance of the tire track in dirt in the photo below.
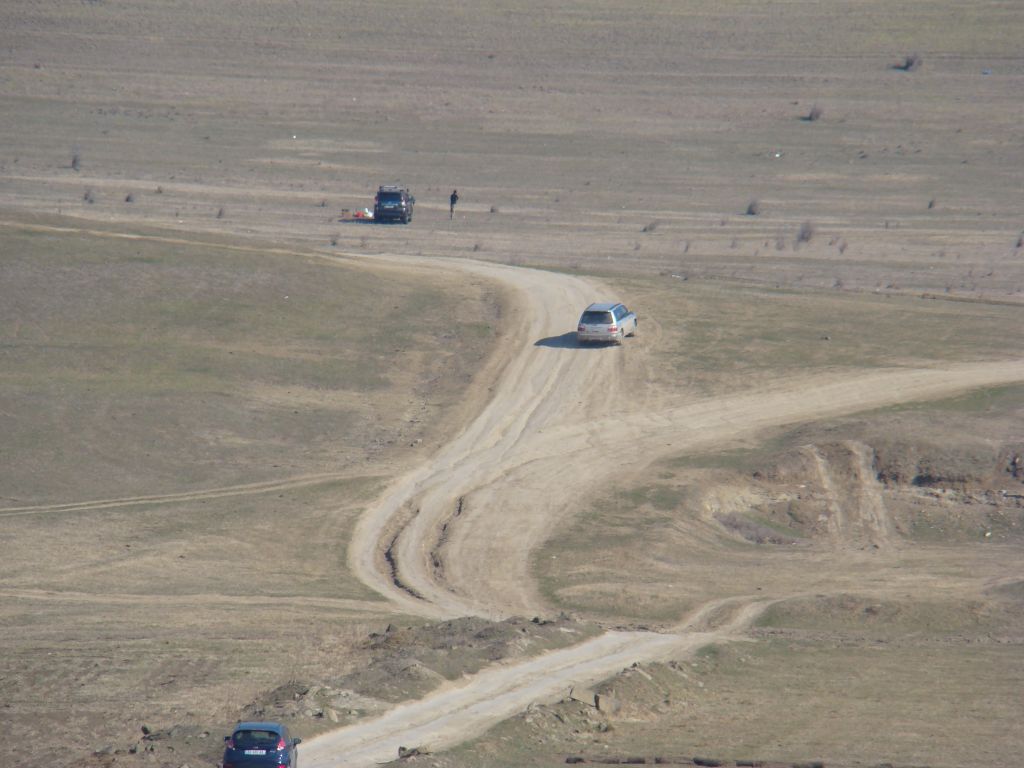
(205, 599)
(298, 481)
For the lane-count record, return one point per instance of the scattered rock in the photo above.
(607, 703)
(584, 696)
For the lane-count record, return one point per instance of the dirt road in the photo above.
(455, 536)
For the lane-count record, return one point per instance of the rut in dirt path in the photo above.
(246, 489)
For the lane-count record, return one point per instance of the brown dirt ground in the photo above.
(169, 172)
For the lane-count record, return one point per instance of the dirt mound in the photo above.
(410, 661)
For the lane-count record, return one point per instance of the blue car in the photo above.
(260, 745)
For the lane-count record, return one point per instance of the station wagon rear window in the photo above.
(255, 739)
(596, 318)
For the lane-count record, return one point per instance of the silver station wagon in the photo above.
(608, 322)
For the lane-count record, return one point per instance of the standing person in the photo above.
(452, 201)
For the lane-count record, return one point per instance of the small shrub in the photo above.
(334, 240)
(159, 190)
(815, 114)
(494, 209)
(753, 208)
(129, 198)
(650, 226)
(1020, 240)
(805, 233)
(909, 63)
(89, 197)
(931, 204)
(220, 213)
(477, 247)
(76, 160)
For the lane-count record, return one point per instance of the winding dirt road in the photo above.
(454, 537)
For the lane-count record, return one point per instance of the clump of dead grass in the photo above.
(753, 531)
(805, 234)
(909, 63)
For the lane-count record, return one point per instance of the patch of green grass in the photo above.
(150, 365)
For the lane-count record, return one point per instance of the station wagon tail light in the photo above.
(613, 329)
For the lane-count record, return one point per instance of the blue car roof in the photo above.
(260, 726)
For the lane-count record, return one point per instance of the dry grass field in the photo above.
(206, 376)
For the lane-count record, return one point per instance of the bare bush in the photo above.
(815, 114)
(89, 197)
(650, 226)
(220, 213)
(806, 233)
(494, 209)
(909, 63)
(931, 204)
(76, 160)
(129, 198)
(753, 208)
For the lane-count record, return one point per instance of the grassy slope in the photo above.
(140, 367)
